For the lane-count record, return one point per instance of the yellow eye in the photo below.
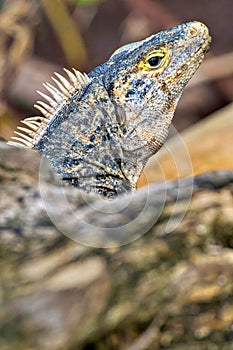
(156, 60)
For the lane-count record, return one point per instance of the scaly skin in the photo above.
(101, 134)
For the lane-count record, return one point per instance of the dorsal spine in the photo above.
(35, 126)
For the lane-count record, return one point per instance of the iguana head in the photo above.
(145, 80)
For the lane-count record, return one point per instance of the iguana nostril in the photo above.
(194, 32)
(197, 28)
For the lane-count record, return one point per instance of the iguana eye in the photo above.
(155, 61)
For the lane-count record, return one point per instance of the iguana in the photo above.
(99, 130)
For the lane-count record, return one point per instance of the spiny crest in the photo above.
(59, 95)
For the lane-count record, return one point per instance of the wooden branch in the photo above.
(169, 289)
(202, 147)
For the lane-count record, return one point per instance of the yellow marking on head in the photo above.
(155, 61)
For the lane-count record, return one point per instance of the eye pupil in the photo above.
(155, 61)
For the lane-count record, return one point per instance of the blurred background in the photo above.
(38, 37)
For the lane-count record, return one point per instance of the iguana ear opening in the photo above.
(35, 126)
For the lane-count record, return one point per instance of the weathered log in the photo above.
(170, 288)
